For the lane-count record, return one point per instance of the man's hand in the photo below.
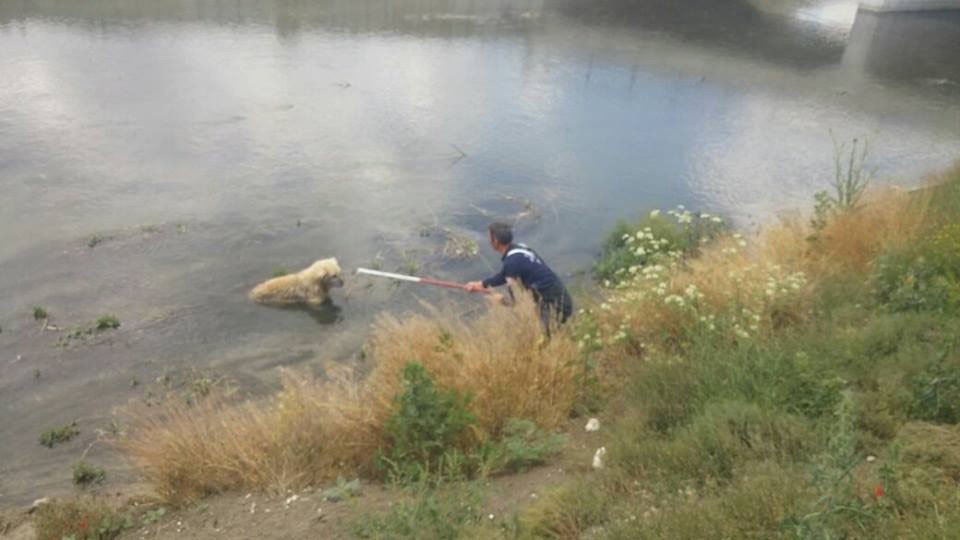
(474, 286)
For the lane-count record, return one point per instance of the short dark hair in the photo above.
(501, 232)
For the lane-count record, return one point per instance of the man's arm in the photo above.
(509, 270)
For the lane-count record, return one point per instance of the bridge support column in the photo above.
(908, 5)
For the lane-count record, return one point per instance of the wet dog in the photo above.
(309, 286)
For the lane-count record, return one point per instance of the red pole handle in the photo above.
(449, 285)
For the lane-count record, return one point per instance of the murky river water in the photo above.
(199, 145)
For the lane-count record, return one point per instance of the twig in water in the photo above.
(458, 158)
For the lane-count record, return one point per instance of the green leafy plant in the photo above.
(62, 434)
(524, 445)
(153, 516)
(850, 181)
(428, 423)
(107, 322)
(676, 232)
(431, 513)
(85, 474)
(342, 491)
(39, 313)
(935, 392)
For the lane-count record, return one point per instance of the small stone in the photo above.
(291, 499)
(592, 425)
(598, 457)
(871, 459)
(490, 516)
(253, 507)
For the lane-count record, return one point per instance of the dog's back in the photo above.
(306, 286)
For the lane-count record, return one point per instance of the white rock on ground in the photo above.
(592, 425)
(598, 457)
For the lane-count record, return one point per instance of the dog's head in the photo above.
(326, 273)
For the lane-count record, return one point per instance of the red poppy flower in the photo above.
(878, 491)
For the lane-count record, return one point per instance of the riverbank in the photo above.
(801, 382)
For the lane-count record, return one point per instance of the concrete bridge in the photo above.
(908, 5)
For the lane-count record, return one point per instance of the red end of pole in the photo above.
(449, 285)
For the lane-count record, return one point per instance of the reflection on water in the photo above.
(211, 142)
(325, 314)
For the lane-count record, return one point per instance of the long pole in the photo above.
(415, 279)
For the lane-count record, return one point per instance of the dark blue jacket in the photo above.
(521, 262)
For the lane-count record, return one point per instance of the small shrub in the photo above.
(342, 491)
(153, 516)
(566, 511)
(524, 445)
(81, 519)
(935, 392)
(677, 233)
(39, 313)
(850, 182)
(85, 474)
(107, 322)
(62, 434)
(431, 514)
(95, 240)
(427, 423)
(921, 277)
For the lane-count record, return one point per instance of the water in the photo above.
(209, 143)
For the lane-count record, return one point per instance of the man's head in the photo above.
(501, 236)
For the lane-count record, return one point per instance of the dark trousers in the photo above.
(555, 308)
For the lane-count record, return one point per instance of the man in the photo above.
(522, 263)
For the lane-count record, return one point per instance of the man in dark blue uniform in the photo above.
(522, 263)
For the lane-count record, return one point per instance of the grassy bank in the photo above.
(802, 382)
(805, 383)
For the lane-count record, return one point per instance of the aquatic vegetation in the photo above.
(85, 474)
(459, 246)
(62, 434)
(82, 333)
(106, 322)
(95, 240)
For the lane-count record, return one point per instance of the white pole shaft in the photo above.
(390, 275)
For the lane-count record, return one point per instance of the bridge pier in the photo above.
(908, 5)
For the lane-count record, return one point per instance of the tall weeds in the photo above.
(315, 430)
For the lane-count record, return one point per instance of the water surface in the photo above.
(209, 143)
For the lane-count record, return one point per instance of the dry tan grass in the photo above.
(762, 284)
(316, 430)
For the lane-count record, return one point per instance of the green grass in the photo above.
(428, 512)
(39, 313)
